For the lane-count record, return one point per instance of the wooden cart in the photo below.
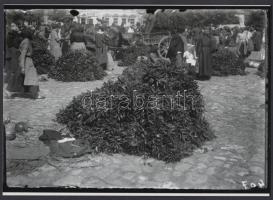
(161, 40)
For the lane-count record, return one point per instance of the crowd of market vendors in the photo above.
(191, 45)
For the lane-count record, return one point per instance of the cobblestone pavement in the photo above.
(235, 108)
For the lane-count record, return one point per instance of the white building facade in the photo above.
(128, 17)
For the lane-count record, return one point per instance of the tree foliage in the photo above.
(193, 18)
(256, 19)
(18, 16)
(59, 15)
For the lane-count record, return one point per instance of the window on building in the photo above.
(83, 21)
(115, 20)
(123, 20)
(132, 21)
(90, 21)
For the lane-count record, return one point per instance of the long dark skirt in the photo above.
(14, 78)
(205, 63)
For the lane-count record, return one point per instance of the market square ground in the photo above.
(235, 108)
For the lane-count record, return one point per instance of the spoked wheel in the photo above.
(163, 46)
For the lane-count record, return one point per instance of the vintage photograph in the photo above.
(136, 98)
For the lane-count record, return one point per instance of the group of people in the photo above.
(194, 46)
(207, 40)
(60, 39)
(179, 50)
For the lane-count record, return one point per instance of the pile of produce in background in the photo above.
(42, 59)
(77, 66)
(120, 126)
(130, 54)
(225, 62)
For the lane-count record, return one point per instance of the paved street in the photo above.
(235, 109)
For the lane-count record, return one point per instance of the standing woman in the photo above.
(65, 32)
(204, 51)
(54, 42)
(14, 78)
(241, 44)
(101, 49)
(257, 40)
(31, 87)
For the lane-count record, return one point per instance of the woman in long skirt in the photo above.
(54, 43)
(66, 39)
(31, 87)
(14, 78)
(204, 51)
(101, 50)
(257, 40)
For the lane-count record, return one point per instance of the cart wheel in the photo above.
(163, 46)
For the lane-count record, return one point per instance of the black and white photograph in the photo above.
(163, 98)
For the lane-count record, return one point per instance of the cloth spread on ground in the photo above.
(68, 149)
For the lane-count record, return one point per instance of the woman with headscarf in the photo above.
(204, 51)
(31, 87)
(54, 42)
